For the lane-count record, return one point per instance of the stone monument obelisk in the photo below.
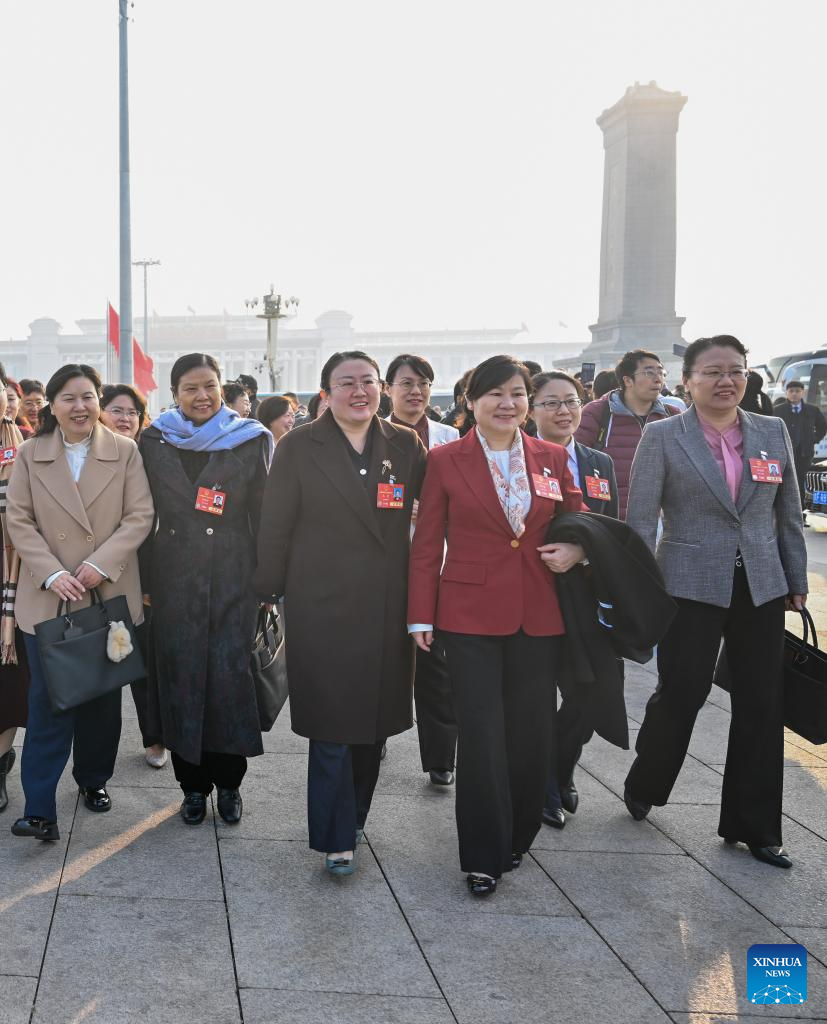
(638, 240)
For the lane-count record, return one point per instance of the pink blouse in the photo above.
(727, 448)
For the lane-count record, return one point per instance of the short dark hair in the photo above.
(342, 357)
(418, 364)
(12, 383)
(539, 380)
(532, 367)
(59, 379)
(461, 384)
(192, 361)
(793, 384)
(233, 390)
(630, 362)
(604, 382)
(492, 373)
(248, 382)
(112, 391)
(690, 356)
(272, 408)
(29, 385)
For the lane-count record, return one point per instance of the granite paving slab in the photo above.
(16, 998)
(296, 927)
(274, 791)
(268, 1006)
(502, 969)
(794, 897)
(814, 940)
(142, 848)
(166, 963)
(805, 797)
(603, 823)
(670, 912)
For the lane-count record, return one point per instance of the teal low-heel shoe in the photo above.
(340, 865)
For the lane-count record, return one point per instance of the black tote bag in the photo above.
(73, 655)
(269, 669)
(805, 682)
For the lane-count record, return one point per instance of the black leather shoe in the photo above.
(37, 828)
(569, 798)
(194, 808)
(230, 805)
(516, 860)
(775, 855)
(637, 809)
(481, 885)
(383, 753)
(441, 778)
(554, 816)
(6, 762)
(96, 799)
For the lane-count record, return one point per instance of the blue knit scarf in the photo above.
(222, 432)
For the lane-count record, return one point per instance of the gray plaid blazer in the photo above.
(675, 472)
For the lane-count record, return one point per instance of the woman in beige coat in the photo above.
(79, 507)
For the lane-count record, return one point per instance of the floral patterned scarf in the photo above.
(514, 493)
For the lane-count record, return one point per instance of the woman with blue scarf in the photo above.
(207, 467)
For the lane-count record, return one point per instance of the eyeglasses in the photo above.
(739, 373)
(652, 373)
(554, 404)
(409, 385)
(368, 383)
(119, 413)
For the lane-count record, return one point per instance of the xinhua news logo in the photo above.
(777, 973)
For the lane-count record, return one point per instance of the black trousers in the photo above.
(435, 721)
(802, 467)
(573, 730)
(222, 770)
(753, 778)
(341, 779)
(139, 688)
(505, 703)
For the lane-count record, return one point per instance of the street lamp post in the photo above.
(276, 307)
(145, 264)
(126, 369)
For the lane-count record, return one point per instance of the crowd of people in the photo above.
(468, 566)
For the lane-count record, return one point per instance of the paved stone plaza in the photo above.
(133, 916)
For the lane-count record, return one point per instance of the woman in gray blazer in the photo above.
(733, 557)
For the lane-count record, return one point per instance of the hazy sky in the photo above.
(428, 164)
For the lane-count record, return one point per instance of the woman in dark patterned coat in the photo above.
(207, 467)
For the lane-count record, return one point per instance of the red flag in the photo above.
(113, 330)
(143, 364)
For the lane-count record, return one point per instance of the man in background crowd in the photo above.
(806, 426)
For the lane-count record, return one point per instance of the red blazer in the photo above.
(492, 584)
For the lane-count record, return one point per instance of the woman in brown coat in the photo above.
(79, 506)
(334, 543)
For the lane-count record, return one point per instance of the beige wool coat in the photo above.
(55, 523)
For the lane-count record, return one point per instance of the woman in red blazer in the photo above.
(491, 495)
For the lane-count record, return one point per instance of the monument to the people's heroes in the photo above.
(638, 240)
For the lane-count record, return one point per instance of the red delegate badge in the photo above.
(765, 471)
(211, 501)
(7, 456)
(390, 496)
(598, 487)
(547, 487)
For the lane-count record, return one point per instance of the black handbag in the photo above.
(269, 669)
(72, 650)
(805, 682)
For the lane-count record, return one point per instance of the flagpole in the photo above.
(126, 366)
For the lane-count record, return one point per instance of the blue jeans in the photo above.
(94, 729)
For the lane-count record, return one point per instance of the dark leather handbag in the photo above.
(269, 669)
(805, 682)
(73, 652)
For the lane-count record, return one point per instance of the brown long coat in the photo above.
(342, 565)
(56, 523)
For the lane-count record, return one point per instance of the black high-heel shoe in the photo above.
(481, 885)
(36, 828)
(6, 762)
